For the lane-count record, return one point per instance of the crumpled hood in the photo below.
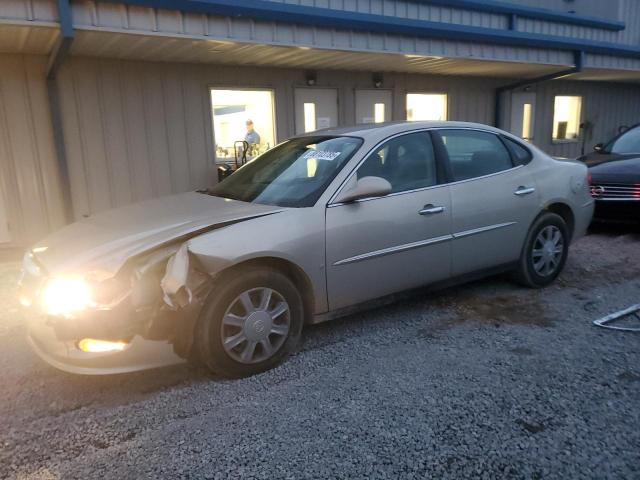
(102, 243)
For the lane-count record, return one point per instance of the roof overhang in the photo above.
(39, 39)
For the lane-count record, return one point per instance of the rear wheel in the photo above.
(545, 251)
(252, 321)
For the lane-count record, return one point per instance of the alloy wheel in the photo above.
(548, 250)
(255, 325)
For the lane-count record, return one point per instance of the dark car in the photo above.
(614, 169)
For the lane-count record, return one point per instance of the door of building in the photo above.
(373, 106)
(523, 114)
(315, 109)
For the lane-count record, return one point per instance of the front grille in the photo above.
(615, 191)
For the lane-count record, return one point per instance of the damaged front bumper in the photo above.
(139, 354)
(148, 321)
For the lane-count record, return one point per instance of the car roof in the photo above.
(391, 128)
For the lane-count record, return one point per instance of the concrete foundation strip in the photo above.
(631, 311)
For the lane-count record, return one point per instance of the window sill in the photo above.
(564, 141)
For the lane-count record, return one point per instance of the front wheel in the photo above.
(545, 251)
(251, 322)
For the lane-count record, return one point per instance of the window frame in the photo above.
(514, 158)
(445, 155)
(447, 104)
(441, 173)
(560, 141)
(249, 88)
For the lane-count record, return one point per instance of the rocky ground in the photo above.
(487, 380)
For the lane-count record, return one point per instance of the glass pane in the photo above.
(566, 117)
(242, 115)
(309, 117)
(378, 112)
(406, 162)
(526, 121)
(522, 155)
(293, 174)
(475, 154)
(426, 106)
(628, 142)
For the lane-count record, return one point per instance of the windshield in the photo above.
(293, 174)
(628, 142)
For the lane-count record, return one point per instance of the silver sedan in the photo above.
(318, 225)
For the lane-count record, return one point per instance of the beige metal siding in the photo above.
(134, 131)
(606, 106)
(30, 181)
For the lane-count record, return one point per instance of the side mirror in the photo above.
(598, 147)
(366, 187)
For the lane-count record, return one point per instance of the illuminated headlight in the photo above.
(66, 296)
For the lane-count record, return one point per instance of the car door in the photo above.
(494, 200)
(378, 246)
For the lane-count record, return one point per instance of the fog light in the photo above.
(91, 345)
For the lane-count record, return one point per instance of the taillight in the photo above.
(589, 178)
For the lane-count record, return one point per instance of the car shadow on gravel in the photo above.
(493, 301)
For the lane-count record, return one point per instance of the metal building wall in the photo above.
(606, 106)
(133, 131)
(136, 130)
(29, 179)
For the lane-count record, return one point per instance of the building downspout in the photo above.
(58, 55)
(577, 67)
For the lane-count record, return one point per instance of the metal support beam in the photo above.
(57, 57)
(578, 63)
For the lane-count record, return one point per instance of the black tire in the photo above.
(209, 332)
(526, 273)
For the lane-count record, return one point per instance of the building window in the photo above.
(242, 115)
(426, 106)
(566, 117)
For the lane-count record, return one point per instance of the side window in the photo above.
(474, 154)
(407, 162)
(521, 155)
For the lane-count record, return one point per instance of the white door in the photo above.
(5, 237)
(373, 106)
(315, 109)
(523, 114)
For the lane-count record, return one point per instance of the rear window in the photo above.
(521, 154)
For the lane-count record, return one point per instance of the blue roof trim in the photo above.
(323, 17)
(494, 6)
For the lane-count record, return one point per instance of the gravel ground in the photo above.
(485, 380)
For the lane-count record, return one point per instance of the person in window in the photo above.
(252, 137)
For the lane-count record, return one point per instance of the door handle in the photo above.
(431, 209)
(524, 191)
